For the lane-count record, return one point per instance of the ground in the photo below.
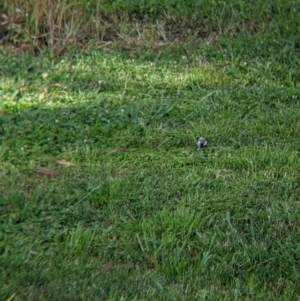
(104, 195)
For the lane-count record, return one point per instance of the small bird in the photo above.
(202, 143)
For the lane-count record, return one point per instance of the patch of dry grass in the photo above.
(54, 24)
(31, 26)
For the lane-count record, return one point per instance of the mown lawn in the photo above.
(134, 211)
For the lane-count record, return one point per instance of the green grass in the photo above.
(175, 223)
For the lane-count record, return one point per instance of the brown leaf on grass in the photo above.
(119, 149)
(47, 172)
(108, 267)
(64, 162)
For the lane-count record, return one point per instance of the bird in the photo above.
(202, 143)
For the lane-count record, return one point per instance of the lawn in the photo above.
(103, 193)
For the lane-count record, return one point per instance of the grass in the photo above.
(31, 26)
(142, 215)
